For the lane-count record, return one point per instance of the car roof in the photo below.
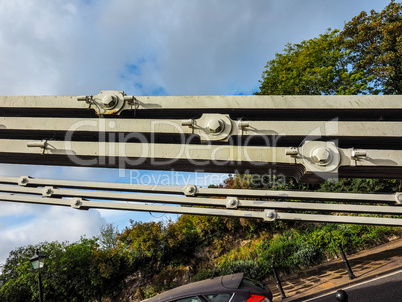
(217, 284)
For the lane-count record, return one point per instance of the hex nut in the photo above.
(190, 190)
(398, 198)
(47, 191)
(109, 101)
(216, 126)
(23, 181)
(232, 203)
(321, 156)
(271, 215)
(76, 203)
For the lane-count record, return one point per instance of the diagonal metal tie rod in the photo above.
(86, 195)
(191, 190)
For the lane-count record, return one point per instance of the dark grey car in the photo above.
(229, 288)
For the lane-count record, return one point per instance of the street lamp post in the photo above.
(37, 262)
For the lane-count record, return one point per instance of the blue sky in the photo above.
(153, 47)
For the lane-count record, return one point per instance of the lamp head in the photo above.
(38, 260)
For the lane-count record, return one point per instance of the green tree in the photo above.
(364, 58)
(313, 67)
(374, 42)
(78, 271)
(108, 236)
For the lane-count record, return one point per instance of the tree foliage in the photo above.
(317, 66)
(363, 58)
(375, 44)
(78, 271)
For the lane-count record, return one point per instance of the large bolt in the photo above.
(321, 156)
(232, 202)
(398, 198)
(271, 215)
(216, 126)
(76, 203)
(23, 181)
(47, 191)
(190, 190)
(109, 101)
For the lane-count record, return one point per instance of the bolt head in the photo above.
(109, 101)
(321, 156)
(190, 190)
(23, 181)
(215, 126)
(232, 202)
(271, 215)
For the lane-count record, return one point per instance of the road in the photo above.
(387, 288)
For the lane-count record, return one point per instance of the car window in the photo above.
(219, 297)
(189, 299)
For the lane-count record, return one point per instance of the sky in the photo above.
(153, 47)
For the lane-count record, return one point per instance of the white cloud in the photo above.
(178, 47)
(45, 223)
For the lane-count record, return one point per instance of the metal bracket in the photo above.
(356, 154)
(85, 98)
(42, 144)
(293, 151)
(106, 102)
(189, 123)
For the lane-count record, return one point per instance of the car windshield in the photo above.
(189, 299)
(219, 297)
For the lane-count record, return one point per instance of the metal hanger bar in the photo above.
(229, 202)
(135, 188)
(303, 195)
(267, 215)
(77, 184)
(339, 219)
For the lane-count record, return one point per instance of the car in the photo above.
(228, 288)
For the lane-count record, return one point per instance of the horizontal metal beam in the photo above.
(337, 129)
(207, 158)
(355, 102)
